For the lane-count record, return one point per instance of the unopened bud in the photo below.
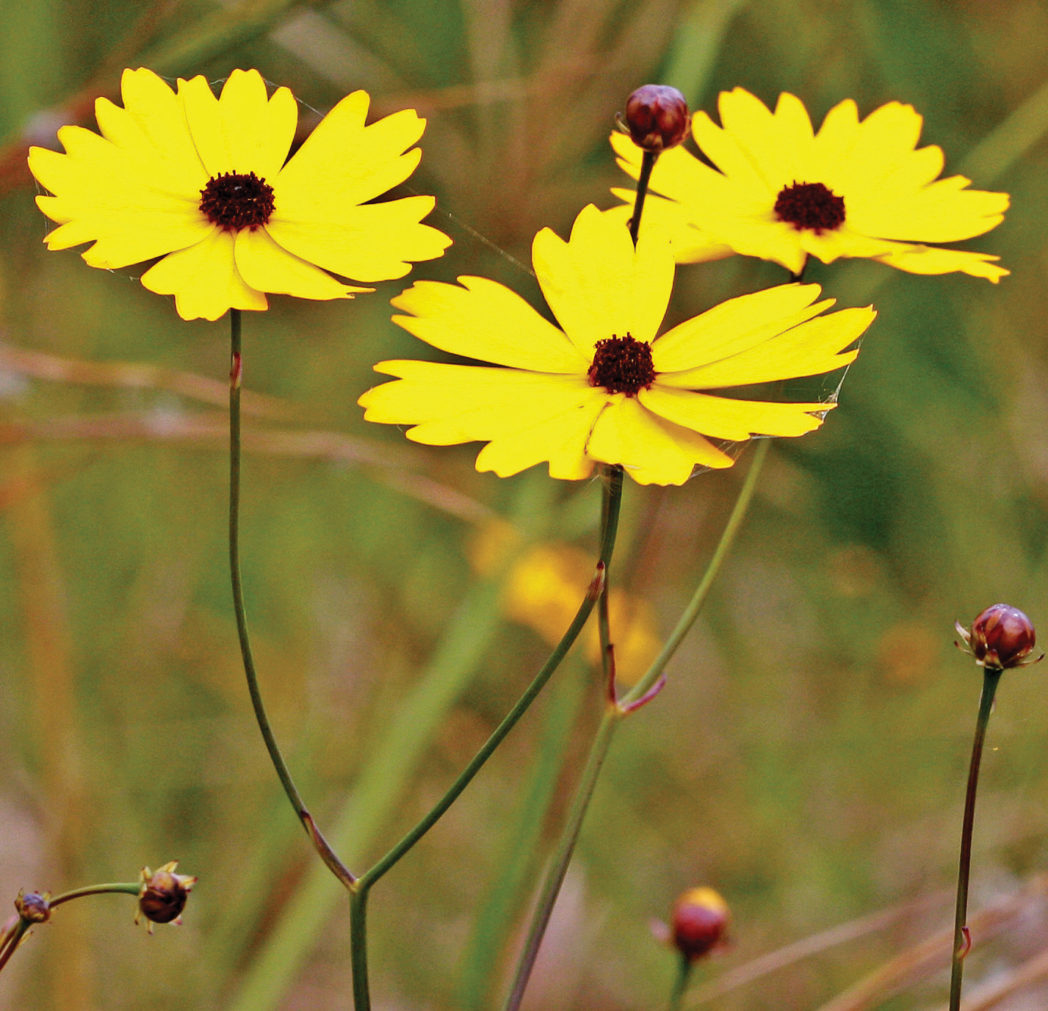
(657, 117)
(163, 894)
(33, 907)
(700, 922)
(1000, 637)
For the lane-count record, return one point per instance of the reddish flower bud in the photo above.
(1001, 637)
(657, 116)
(33, 907)
(163, 894)
(700, 922)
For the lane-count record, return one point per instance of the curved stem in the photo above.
(319, 842)
(610, 508)
(562, 856)
(961, 940)
(642, 692)
(613, 500)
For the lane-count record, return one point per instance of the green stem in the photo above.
(611, 503)
(320, 843)
(562, 856)
(358, 946)
(646, 165)
(17, 927)
(615, 711)
(961, 940)
(680, 983)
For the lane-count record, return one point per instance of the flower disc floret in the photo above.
(234, 201)
(205, 184)
(571, 396)
(622, 365)
(769, 185)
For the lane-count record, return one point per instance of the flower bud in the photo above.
(657, 116)
(1000, 637)
(700, 922)
(163, 894)
(33, 907)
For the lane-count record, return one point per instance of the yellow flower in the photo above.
(205, 183)
(782, 192)
(605, 387)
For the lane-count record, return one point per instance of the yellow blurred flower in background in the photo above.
(781, 191)
(205, 184)
(544, 588)
(605, 387)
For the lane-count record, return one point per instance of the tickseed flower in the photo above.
(604, 387)
(782, 192)
(205, 184)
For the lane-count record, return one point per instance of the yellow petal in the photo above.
(734, 326)
(929, 260)
(809, 349)
(598, 285)
(374, 242)
(689, 242)
(734, 420)
(651, 450)
(529, 418)
(343, 162)
(482, 319)
(265, 266)
(243, 130)
(203, 279)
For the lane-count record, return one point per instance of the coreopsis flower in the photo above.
(205, 183)
(604, 386)
(778, 190)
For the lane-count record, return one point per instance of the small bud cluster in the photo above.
(34, 907)
(1000, 637)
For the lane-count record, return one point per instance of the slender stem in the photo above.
(562, 856)
(613, 714)
(613, 498)
(646, 165)
(320, 843)
(14, 931)
(358, 946)
(16, 928)
(961, 940)
(610, 508)
(680, 982)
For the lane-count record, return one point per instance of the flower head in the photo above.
(1001, 637)
(700, 922)
(657, 117)
(604, 386)
(34, 907)
(783, 192)
(163, 894)
(205, 183)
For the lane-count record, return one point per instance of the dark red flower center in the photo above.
(622, 365)
(235, 201)
(810, 205)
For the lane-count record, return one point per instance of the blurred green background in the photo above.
(807, 758)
